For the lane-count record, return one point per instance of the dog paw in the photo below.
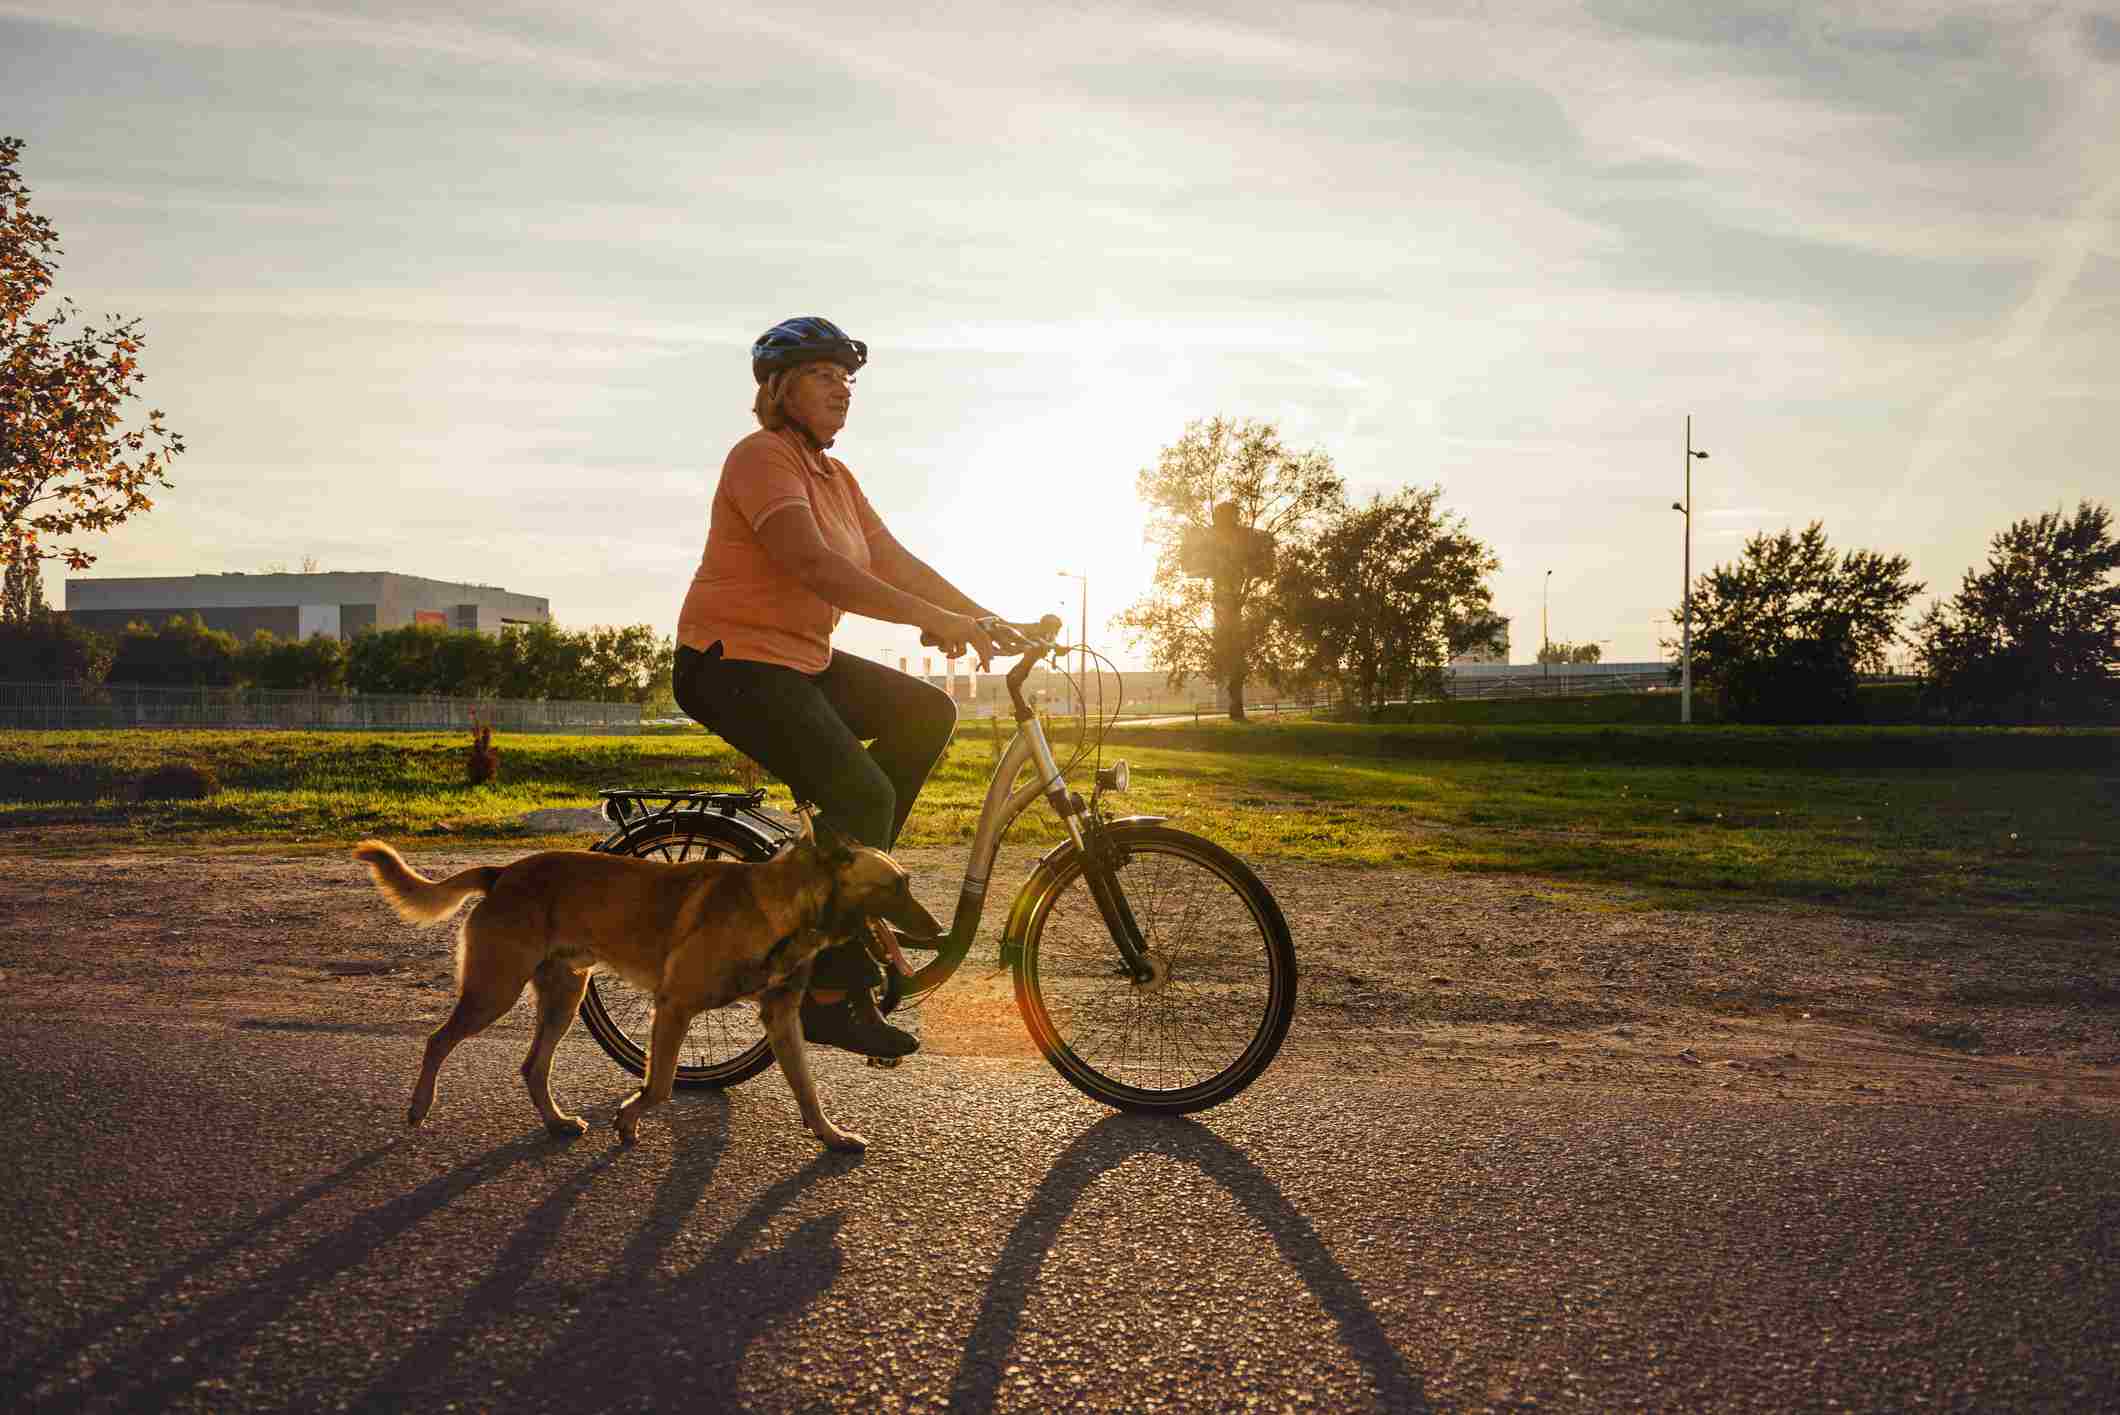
(843, 1140)
(568, 1127)
(627, 1134)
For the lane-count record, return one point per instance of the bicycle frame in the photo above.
(1005, 801)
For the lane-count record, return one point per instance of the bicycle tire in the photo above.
(725, 1046)
(1076, 996)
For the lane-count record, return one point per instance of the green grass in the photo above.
(1879, 702)
(2050, 748)
(1713, 814)
(1653, 708)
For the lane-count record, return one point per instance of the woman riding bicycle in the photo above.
(792, 544)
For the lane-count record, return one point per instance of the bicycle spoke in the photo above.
(1200, 1022)
(720, 1046)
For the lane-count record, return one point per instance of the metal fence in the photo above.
(77, 705)
(1557, 682)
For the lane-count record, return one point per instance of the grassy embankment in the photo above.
(1894, 819)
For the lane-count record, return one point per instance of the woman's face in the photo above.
(819, 397)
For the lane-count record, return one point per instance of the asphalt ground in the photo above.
(215, 1217)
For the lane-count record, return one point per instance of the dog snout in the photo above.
(902, 909)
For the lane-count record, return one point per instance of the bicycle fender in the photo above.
(1042, 876)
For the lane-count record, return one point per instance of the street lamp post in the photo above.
(1685, 671)
(1081, 649)
(1545, 640)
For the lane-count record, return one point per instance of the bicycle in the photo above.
(1127, 927)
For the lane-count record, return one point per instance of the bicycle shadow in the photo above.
(664, 1342)
(32, 1369)
(495, 1296)
(152, 1373)
(1105, 1146)
(25, 1375)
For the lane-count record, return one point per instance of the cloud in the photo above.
(1503, 248)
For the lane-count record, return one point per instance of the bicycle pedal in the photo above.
(886, 1062)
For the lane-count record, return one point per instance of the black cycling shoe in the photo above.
(860, 1030)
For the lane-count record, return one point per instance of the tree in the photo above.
(315, 664)
(52, 649)
(21, 586)
(1782, 633)
(1273, 491)
(1561, 651)
(1385, 594)
(182, 653)
(406, 660)
(628, 665)
(604, 664)
(67, 463)
(542, 660)
(2037, 633)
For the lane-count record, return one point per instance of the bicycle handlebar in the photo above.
(1030, 638)
(1032, 641)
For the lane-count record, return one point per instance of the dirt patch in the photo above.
(1451, 979)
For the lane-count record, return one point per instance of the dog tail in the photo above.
(412, 894)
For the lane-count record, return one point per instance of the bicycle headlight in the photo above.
(1113, 777)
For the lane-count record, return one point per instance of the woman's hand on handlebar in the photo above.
(955, 633)
(1007, 639)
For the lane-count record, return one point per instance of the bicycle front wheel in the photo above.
(724, 1046)
(1215, 1012)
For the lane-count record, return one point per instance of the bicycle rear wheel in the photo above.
(724, 1046)
(1219, 1006)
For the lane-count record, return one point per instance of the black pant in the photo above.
(807, 729)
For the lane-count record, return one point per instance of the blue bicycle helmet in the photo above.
(801, 340)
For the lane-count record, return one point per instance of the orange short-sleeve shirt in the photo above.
(739, 595)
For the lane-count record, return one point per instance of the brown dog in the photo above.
(697, 935)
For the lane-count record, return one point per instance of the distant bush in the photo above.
(182, 653)
(315, 664)
(1798, 681)
(179, 781)
(50, 648)
(611, 665)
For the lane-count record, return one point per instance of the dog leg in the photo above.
(781, 1011)
(479, 1007)
(559, 997)
(671, 1023)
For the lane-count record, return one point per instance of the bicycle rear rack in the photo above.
(626, 806)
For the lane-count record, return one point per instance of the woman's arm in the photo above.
(791, 537)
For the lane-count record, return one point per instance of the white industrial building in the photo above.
(290, 606)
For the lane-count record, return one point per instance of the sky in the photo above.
(467, 292)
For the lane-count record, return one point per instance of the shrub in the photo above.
(179, 781)
(182, 653)
(484, 760)
(1802, 681)
(317, 663)
(52, 649)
